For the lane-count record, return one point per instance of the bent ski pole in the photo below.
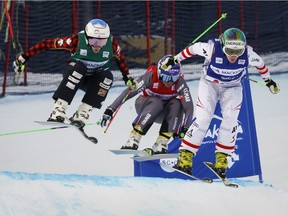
(117, 110)
(223, 16)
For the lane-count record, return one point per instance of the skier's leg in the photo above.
(147, 109)
(63, 96)
(96, 88)
(172, 113)
(205, 107)
(230, 102)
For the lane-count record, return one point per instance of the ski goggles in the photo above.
(233, 52)
(97, 42)
(169, 78)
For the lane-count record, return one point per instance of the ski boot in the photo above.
(221, 164)
(161, 145)
(184, 161)
(59, 112)
(81, 116)
(134, 139)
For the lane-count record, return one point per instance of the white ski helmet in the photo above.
(97, 28)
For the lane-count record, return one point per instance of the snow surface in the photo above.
(59, 173)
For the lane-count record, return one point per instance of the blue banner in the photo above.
(244, 162)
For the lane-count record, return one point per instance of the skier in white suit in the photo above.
(225, 66)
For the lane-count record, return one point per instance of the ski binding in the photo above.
(225, 181)
(147, 157)
(129, 151)
(66, 125)
(207, 180)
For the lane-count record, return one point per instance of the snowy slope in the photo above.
(60, 173)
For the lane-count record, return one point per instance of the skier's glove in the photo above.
(183, 131)
(106, 116)
(169, 63)
(272, 85)
(19, 63)
(130, 82)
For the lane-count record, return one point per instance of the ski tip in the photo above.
(208, 180)
(93, 139)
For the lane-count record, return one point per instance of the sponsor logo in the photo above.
(175, 123)
(204, 52)
(60, 42)
(102, 92)
(255, 60)
(226, 72)
(68, 41)
(169, 162)
(234, 43)
(180, 87)
(148, 115)
(141, 86)
(189, 133)
(213, 130)
(186, 95)
(83, 52)
(241, 61)
(92, 65)
(155, 85)
(219, 60)
(107, 81)
(105, 54)
(102, 85)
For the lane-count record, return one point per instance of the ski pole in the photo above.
(38, 130)
(255, 81)
(117, 110)
(32, 131)
(16, 76)
(223, 16)
(10, 24)
(4, 13)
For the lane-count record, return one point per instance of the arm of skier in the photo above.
(122, 65)
(123, 97)
(69, 43)
(256, 61)
(187, 106)
(201, 49)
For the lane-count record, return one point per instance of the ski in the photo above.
(225, 181)
(129, 151)
(207, 180)
(66, 125)
(154, 157)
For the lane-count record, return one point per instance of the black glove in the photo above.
(106, 116)
(130, 82)
(19, 63)
(169, 63)
(183, 131)
(273, 87)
